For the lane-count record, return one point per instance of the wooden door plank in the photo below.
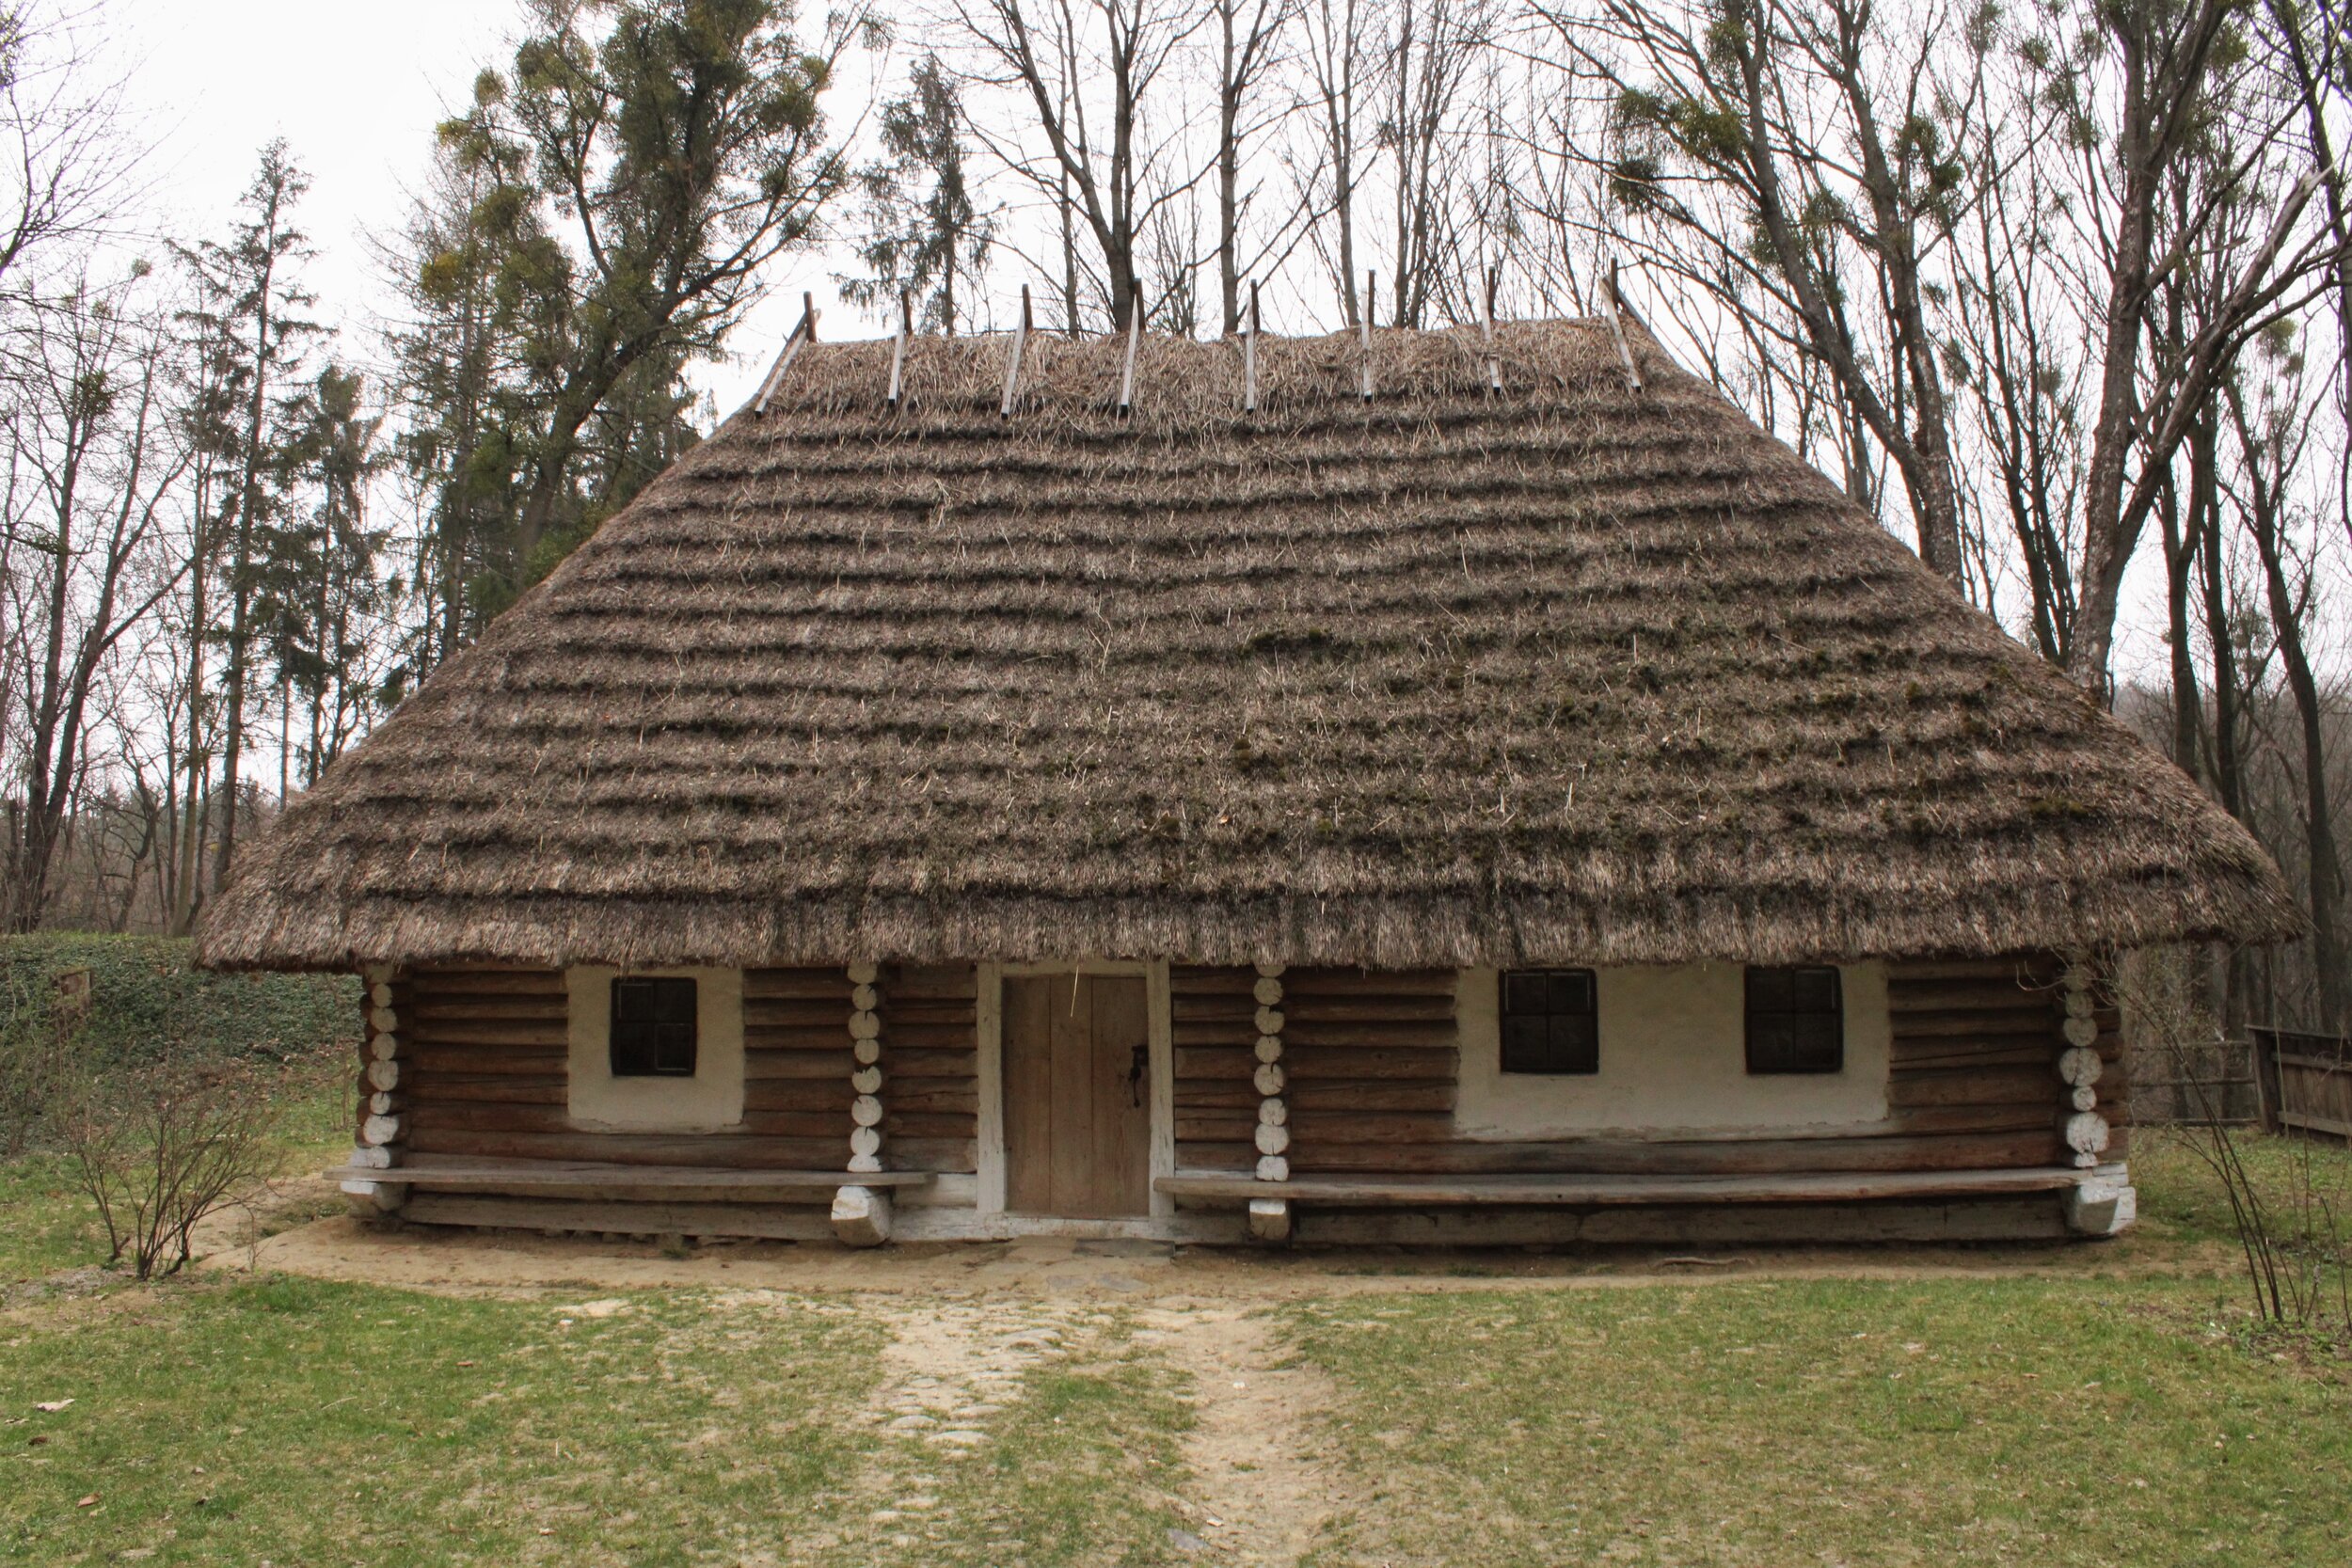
(1028, 1097)
(1122, 1128)
(1074, 1100)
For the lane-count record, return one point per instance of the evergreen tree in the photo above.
(923, 232)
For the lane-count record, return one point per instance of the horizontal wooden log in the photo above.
(1201, 1155)
(942, 1155)
(1976, 1026)
(1944, 997)
(486, 982)
(2031, 969)
(771, 1013)
(1340, 1096)
(2033, 1086)
(1941, 1220)
(830, 1095)
(899, 1124)
(1374, 1191)
(1372, 982)
(1382, 1009)
(1307, 1029)
(1314, 1129)
(490, 1032)
(443, 1116)
(720, 1151)
(438, 1011)
(1952, 1151)
(513, 1088)
(486, 1059)
(930, 1037)
(767, 1066)
(754, 1221)
(1313, 1062)
(933, 981)
(803, 985)
(1988, 1057)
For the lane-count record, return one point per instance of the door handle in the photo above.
(1137, 1066)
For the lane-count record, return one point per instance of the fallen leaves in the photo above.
(52, 1406)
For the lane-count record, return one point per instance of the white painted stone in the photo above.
(861, 1216)
(2104, 1203)
(1270, 1219)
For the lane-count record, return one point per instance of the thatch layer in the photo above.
(1569, 674)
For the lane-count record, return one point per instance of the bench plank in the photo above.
(1372, 1191)
(559, 1176)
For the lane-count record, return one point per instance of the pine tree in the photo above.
(923, 232)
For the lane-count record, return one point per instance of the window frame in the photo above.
(646, 1058)
(1795, 1057)
(1512, 1058)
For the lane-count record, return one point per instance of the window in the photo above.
(1796, 1020)
(1551, 1021)
(653, 1028)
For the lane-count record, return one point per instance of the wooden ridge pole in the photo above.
(1494, 366)
(1616, 328)
(899, 347)
(1012, 364)
(1249, 356)
(805, 331)
(1135, 336)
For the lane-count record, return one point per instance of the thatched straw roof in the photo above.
(1573, 672)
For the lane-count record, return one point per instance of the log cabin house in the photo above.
(1466, 785)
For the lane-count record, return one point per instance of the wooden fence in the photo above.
(2210, 1082)
(2304, 1081)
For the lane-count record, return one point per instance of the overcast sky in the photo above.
(356, 90)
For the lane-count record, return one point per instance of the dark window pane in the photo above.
(1796, 1020)
(1816, 991)
(653, 1032)
(1525, 991)
(1575, 1044)
(1549, 1021)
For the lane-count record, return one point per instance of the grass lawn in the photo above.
(2109, 1408)
(1955, 1420)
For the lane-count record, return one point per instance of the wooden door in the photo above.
(1077, 1095)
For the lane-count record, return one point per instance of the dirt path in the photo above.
(1259, 1494)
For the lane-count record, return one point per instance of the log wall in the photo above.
(487, 1071)
(1373, 1059)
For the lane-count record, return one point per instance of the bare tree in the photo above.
(91, 470)
(1248, 42)
(1082, 72)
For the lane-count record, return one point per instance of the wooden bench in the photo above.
(860, 1201)
(1270, 1202)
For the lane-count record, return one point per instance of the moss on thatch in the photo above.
(1568, 673)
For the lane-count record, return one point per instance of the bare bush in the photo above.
(159, 1145)
(2287, 1206)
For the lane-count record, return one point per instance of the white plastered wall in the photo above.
(1672, 1058)
(710, 1101)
